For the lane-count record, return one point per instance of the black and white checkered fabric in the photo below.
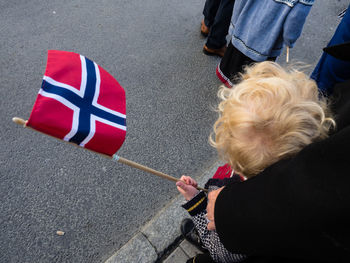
(211, 241)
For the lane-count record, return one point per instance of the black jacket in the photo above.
(297, 210)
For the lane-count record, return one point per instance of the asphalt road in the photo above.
(153, 48)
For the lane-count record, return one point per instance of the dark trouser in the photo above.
(330, 70)
(217, 16)
(232, 64)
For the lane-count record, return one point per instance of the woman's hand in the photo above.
(211, 207)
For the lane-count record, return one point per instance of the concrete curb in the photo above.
(154, 238)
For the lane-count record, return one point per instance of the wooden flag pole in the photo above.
(120, 159)
(19, 121)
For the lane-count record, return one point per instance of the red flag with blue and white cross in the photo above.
(80, 102)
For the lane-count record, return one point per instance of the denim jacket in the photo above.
(260, 28)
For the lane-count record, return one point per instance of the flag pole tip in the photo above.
(19, 121)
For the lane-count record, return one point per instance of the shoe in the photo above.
(228, 83)
(190, 233)
(201, 258)
(214, 51)
(204, 29)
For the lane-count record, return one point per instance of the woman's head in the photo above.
(269, 115)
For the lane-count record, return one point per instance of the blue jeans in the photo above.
(330, 70)
(217, 16)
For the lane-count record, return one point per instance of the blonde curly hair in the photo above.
(271, 114)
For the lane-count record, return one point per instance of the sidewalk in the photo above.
(160, 239)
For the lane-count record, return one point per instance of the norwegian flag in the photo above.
(80, 102)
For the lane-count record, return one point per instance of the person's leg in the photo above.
(330, 70)
(220, 25)
(190, 233)
(209, 11)
(231, 64)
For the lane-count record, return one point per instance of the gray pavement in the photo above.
(161, 235)
(110, 212)
(153, 49)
